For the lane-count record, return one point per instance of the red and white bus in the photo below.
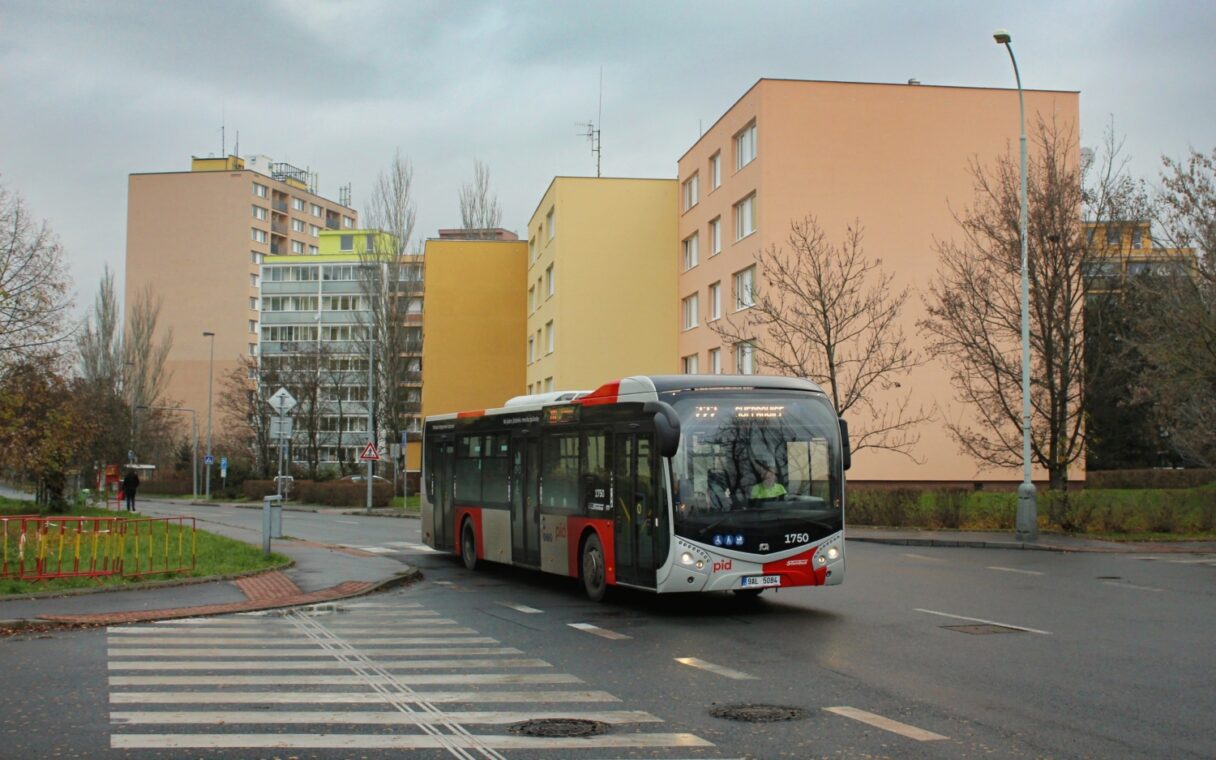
(664, 483)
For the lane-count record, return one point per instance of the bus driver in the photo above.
(768, 487)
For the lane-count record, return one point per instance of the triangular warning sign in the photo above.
(369, 453)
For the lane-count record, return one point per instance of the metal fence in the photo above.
(40, 548)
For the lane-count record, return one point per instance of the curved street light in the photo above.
(210, 373)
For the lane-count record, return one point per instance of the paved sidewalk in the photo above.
(1051, 542)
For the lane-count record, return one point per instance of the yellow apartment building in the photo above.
(475, 323)
(199, 238)
(601, 290)
(893, 157)
(1124, 249)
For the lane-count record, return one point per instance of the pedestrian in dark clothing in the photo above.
(129, 485)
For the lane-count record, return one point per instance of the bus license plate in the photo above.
(760, 581)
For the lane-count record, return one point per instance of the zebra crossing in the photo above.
(394, 547)
(366, 677)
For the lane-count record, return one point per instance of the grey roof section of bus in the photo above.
(553, 397)
(688, 382)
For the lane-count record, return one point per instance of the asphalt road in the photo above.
(1069, 655)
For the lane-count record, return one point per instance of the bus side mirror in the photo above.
(844, 444)
(666, 427)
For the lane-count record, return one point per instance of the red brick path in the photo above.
(260, 595)
(267, 586)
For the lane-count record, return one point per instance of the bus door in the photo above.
(636, 513)
(441, 474)
(525, 498)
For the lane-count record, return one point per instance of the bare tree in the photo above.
(829, 313)
(245, 404)
(303, 374)
(388, 277)
(34, 293)
(479, 210)
(99, 344)
(974, 308)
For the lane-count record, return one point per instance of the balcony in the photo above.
(278, 227)
(280, 206)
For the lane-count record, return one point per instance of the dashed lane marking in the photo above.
(986, 622)
(1014, 570)
(521, 608)
(737, 675)
(347, 522)
(923, 557)
(1121, 584)
(886, 724)
(601, 632)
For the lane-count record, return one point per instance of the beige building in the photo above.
(895, 158)
(198, 238)
(600, 285)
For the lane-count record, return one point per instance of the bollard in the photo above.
(272, 520)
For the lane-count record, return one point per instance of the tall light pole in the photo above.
(210, 372)
(1027, 521)
(193, 440)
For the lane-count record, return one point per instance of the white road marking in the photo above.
(278, 642)
(521, 608)
(275, 717)
(921, 556)
(1014, 570)
(274, 679)
(986, 622)
(738, 675)
(1121, 584)
(601, 632)
(404, 741)
(403, 626)
(375, 549)
(348, 522)
(162, 665)
(410, 545)
(347, 697)
(264, 653)
(1200, 561)
(886, 724)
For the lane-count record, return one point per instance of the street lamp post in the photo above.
(1027, 521)
(193, 441)
(210, 373)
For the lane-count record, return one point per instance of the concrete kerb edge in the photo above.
(147, 585)
(964, 544)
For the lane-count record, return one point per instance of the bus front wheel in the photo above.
(468, 546)
(595, 577)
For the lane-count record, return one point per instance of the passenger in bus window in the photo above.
(768, 487)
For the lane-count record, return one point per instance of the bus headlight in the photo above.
(820, 560)
(686, 558)
(833, 553)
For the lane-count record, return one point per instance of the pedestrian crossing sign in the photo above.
(369, 453)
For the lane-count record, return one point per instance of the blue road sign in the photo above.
(208, 460)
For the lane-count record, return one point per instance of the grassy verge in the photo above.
(413, 503)
(213, 555)
(1123, 514)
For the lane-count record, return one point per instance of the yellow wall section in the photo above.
(473, 343)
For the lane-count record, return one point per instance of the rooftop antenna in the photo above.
(236, 150)
(593, 132)
(223, 122)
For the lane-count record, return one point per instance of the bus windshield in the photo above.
(756, 471)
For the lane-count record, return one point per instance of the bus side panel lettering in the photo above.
(553, 544)
(474, 513)
(604, 529)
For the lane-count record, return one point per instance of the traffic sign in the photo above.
(208, 460)
(280, 427)
(369, 453)
(282, 401)
(223, 467)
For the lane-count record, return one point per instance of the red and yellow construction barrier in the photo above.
(40, 548)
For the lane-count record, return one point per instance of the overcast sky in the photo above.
(93, 91)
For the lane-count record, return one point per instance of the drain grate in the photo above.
(558, 727)
(758, 713)
(981, 630)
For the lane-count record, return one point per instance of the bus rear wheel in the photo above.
(594, 575)
(468, 546)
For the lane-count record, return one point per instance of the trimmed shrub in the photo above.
(1149, 478)
(256, 490)
(948, 508)
(168, 487)
(339, 493)
(892, 508)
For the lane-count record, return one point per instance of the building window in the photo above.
(1112, 234)
(551, 222)
(297, 204)
(531, 299)
(259, 236)
(1136, 239)
(253, 349)
(531, 350)
(253, 325)
(549, 281)
(715, 361)
(313, 250)
(314, 230)
(259, 213)
(369, 243)
(260, 191)
(316, 210)
(253, 303)
(715, 301)
(253, 280)
(690, 364)
(255, 257)
(297, 225)
(745, 146)
(715, 236)
(745, 288)
(531, 249)
(549, 336)
(346, 243)
(745, 217)
(297, 247)
(691, 191)
(691, 306)
(692, 251)
(744, 361)
(715, 171)
(348, 223)
(548, 385)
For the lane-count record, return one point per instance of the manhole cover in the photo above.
(757, 713)
(980, 630)
(559, 727)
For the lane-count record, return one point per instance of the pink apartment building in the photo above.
(894, 157)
